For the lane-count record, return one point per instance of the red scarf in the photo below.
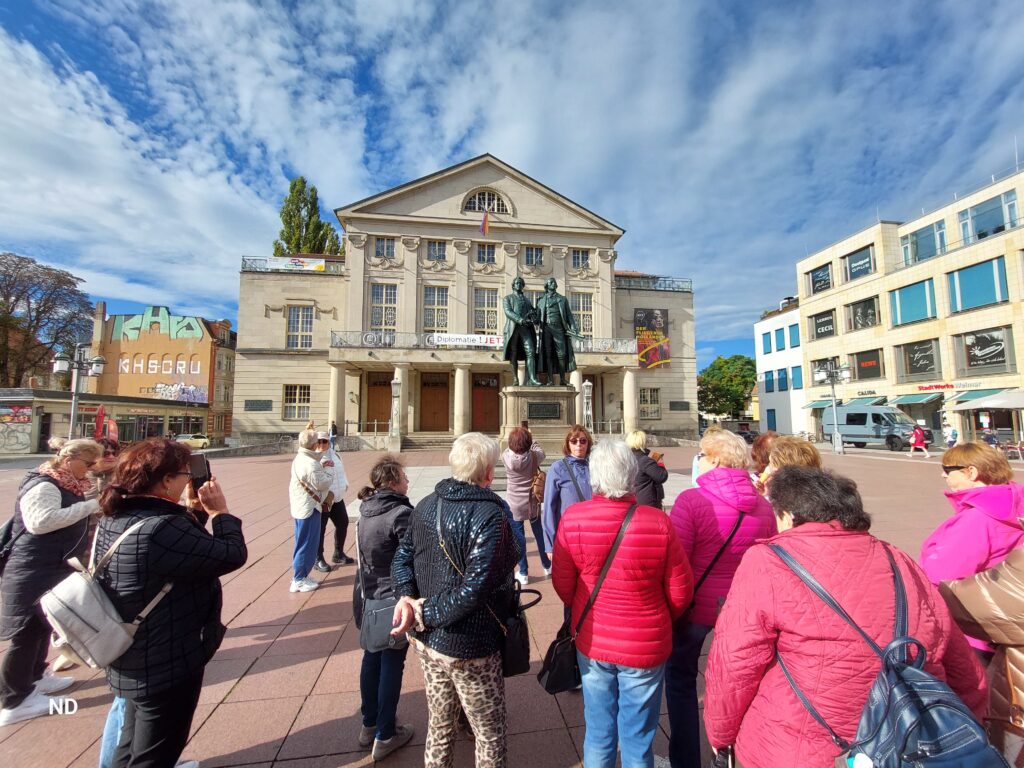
(65, 479)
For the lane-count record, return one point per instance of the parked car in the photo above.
(873, 425)
(194, 441)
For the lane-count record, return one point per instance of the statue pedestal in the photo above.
(550, 412)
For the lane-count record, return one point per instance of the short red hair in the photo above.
(520, 440)
(577, 430)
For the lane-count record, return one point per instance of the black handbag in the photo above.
(375, 624)
(560, 671)
(7, 539)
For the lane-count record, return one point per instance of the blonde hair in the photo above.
(992, 466)
(637, 439)
(473, 455)
(792, 451)
(82, 448)
(729, 448)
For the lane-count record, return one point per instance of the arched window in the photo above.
(486, 200)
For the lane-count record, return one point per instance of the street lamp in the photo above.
(79, 364)
(588, 405)
(396, 394)
(829, 374)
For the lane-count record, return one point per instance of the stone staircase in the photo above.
(428, 441)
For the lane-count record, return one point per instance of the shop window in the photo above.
(918, 361)
(867, 365)
(913, 303)
(819, 279)
(824, 362)
(985, 352)
(823, 324)
(296, 402)
(300, 328)
(859, 263)
(650, 403)
(977, 286)
(862, 314)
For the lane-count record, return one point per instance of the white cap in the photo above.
(322, 436)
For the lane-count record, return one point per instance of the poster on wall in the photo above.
(921, 357)
(985, 348)
(652, 344)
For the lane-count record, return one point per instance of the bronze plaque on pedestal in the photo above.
(543, 411)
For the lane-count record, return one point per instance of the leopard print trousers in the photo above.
(475, 686)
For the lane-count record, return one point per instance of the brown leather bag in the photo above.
(537, 487)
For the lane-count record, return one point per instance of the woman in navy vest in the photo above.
(50, 525)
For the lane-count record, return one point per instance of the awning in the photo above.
(1010, 399)
(927, 397)
(865, 401)
(974, 394)
(822, 403)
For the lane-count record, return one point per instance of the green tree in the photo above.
(42, 310)
(724, 386)
(302, 231)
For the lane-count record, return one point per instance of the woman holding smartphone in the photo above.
(161, 674)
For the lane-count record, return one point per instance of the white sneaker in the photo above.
(311, 583)
(522, 578)
(189, 764)
(547, 571)
(50, 683)
(34, 705)
(302, 585)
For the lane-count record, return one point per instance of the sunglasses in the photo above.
(950, 468)
(578, 441)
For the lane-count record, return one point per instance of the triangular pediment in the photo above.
(441, 197)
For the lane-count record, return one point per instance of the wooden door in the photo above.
(378, 401)
(486, 405)
(434, 402)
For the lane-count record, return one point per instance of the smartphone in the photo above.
(199, 466)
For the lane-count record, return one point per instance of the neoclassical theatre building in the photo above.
(412, 313)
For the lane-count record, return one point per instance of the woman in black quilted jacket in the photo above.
(161, 674)
(453, 572)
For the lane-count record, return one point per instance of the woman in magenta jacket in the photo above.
(703, 518)
(748, 702)
(986, 522)
(626, 637)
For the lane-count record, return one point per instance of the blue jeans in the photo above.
(307, 541)
(681, 695)
(112, 732)
(380, 685)
(621, 707)
(519, 530)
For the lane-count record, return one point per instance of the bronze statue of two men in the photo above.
(553, 353)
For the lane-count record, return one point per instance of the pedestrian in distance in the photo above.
(650, 473)
(453, 575)
(624, 640)
(50, 526)
(568, 481)
(522, 460)
(334, 435)
(949, 434)
(917, 442)
(771, 615)
(308, 488)
(384, 516)
(717, 522)
(333, 509)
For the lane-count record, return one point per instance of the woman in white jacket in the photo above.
(337, 514)
(307, 489)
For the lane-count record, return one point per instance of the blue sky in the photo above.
(147, 145)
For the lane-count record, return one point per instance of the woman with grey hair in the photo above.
(453, 575)
(623, 622)
(307, 490)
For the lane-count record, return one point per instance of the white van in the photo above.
(863, 425)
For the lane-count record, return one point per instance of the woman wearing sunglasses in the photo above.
(986, 522)
(568, 481)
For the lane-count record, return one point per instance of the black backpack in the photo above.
(911, 718)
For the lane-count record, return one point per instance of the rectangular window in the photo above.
(766, 342)
(988, 218)
(794, 335)
(582, 305)
(918, 361)
(782, 377)
(485, 253)
(924, 243)
(534, 256)
(859, 263)
(913, 303)
(580, 258)
(867, 365)
(978, 285)
(650, 403)
(435, 309)
(830, 363)
(296, 402)
(769, 381)
(819, 279)
(797, 375)
(437, 250)
(533, 296)
(300, 328)
(981, 353)
(780, 339)
(383, 307)
(485, 310)
(862, 314)
(823, 325)
(770, 417)
(384, 247)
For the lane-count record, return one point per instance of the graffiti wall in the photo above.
(15, 429)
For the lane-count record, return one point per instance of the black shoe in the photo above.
(346, 560)
(322, 566)
(337, 557)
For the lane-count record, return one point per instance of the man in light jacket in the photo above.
(307, 489)
(336, 513)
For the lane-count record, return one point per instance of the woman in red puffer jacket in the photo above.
(748, 702)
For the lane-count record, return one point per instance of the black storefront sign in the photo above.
(985, 348)
(869, 365)
(921, 357)
(859, 264)
(259, 405)
(824, 325)
(543, 410)
(821, 279)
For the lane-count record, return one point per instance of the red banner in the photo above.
(112, 429)
(101, 415)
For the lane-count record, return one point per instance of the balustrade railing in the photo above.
(405, 340)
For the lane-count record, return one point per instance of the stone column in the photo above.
(402, 374)
(462, 396)
(336, 399)
(576, 379)
(353, 404)
(630, 400)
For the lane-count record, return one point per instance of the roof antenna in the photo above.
(878, 216)
(1016, 157)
